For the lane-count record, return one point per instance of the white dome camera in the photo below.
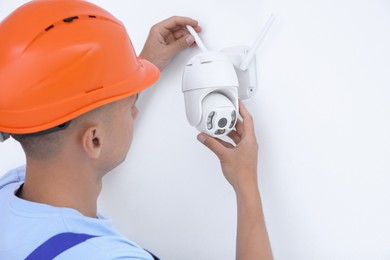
(210, 87)
(213, 82)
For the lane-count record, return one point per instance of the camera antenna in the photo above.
(198, 40)
(252, 52)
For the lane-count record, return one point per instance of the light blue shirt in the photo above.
(25, 225)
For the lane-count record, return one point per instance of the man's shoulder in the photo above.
(13, 176)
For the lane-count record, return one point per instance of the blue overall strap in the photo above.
(154, 257)
(56, 245)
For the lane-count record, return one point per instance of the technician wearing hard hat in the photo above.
(69, 80)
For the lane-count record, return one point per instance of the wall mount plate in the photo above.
(247, 79)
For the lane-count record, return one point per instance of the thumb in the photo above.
(211, 143)
(182, 43)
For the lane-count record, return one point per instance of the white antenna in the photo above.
(252, 52)
(198, 41)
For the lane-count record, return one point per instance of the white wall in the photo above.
(322, 118)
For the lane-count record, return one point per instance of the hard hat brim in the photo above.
(145, 76)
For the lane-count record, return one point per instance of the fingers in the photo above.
(239, 127)
(168, 38)
(215, 146)
(178, 22)
(225, 144)
(180, 33)
(175, 26)
(183, 42)
(235, 136)
(247, 118)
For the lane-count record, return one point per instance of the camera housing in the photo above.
(210, 87)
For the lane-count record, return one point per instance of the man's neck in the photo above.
(62, 185)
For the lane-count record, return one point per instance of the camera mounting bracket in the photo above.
(247, 79)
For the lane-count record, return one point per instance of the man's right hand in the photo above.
(239, 162)
(239, 165)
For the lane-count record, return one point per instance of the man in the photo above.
(69, 82)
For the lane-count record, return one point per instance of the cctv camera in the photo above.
(213, 82)
(210, 88)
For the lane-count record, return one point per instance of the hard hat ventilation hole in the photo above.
(94, 89)
(70, 19)
(50, 27)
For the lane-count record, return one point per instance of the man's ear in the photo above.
(92, 140)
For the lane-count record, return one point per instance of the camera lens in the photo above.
(222, 122)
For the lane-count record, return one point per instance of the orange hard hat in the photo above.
(62, 58)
